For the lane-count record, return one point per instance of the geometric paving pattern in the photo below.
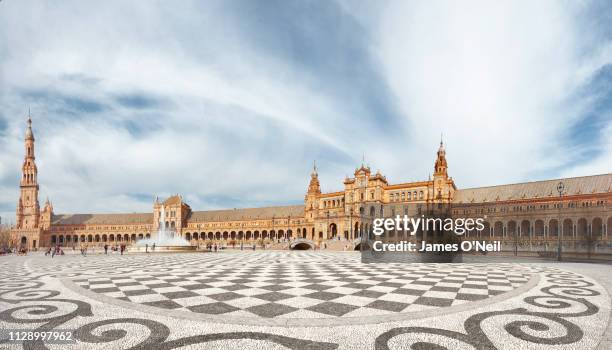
(561, 308)
(311, 290)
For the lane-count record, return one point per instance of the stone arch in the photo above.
(89, 238)
(333, 230)
(553, 228)
(567, 229)
(217, 235)
(538, 228)
(597, 228)
(133, 237)
(148, 236)
(302, 244)
(486, 231)
(225, 235)
(111, 237)
(232, 235)
(53, 239)
(256, 235)
(126, 237)
(248, 235)
(97, 238)
(498, 229)
(525, 228)
(582, 230)
(511, 229)
(140, 236)
(188, 236)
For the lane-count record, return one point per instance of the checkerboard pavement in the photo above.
(269, 289)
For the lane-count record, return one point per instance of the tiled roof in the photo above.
(102, 219)
(173, 200)
(537, 189)
(247, 213)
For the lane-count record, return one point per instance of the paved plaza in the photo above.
(303, 300)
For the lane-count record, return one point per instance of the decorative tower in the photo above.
(28, 209)
(440, 168)
(443, 188)
(312, 196)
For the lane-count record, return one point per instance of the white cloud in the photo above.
(497, 77)
(239, 124)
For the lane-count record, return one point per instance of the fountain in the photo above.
(165, 241)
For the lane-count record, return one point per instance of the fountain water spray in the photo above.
(164, 237)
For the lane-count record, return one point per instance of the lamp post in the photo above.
(560, 188)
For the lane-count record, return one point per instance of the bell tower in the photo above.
(28, 208)
(312, 196)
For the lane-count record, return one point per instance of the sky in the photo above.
(228, 103)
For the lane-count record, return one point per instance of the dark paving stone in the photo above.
(324, 295)
(318, 287)
(160, 285)
(444, 289)
(172, 280)
(100, 282)
(273, 296)
(314, 280)
(126, 284)
(424, 283)
(470, 297)
(270, 310)
(106, 290)
(407, 291)
(225, 296)
(391, 284)
(275, 287)
(132, 293)
(164, 304)
(440, 302)
(196, 286)
(387, 305)
(368, 294)
(212, 308)
(499, 284)
(496, 292)
(234, 287)
(181, 294)
(331, 308)
(357, 285)
(474, 286)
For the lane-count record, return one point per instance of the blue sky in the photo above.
(229, 102)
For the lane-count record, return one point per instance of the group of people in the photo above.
(53, 251)
(213, 247)
(122, 248)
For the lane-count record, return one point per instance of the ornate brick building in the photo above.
(525, 216)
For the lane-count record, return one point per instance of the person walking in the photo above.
(153, 248)
(147, 248)
(105, 249)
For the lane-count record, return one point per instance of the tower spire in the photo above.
(28, 208)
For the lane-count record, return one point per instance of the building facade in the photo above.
(526, 216)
